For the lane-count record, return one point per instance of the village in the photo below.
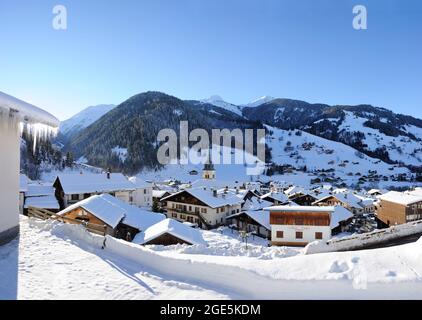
(171, 213)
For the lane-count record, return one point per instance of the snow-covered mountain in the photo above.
(259, 101)
(349, 144)
(219, 102)
(84, 118)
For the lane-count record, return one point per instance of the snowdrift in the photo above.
(363, 241)
(239, 282)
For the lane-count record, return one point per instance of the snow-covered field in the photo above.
(56, 261)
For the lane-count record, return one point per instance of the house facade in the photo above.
(399, 208)
(13, 113)
(206, 208)
(300, 225)
(142, 195)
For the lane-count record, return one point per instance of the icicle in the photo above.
(38, 132)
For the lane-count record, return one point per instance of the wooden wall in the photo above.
(306, 218)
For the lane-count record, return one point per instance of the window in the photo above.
(145, 191)
(87, 195)
(280, 234)
(174, 215)
(182, 216)
(190, 208)
(75, 197)
(299, 235)
(318, 235)
(203, 210)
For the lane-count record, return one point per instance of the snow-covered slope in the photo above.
(299, 148)
(401, 148)
(257, 102)
(219, 102)
(84, 118)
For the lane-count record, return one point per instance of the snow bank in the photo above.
(335, 275)
(362, 241)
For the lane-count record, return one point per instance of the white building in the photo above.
(142, 196)
(299, 225)
(13, 112)
(72, 188)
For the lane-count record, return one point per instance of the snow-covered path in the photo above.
(54, 261)
(43, 266)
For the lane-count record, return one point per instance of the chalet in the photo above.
(169, 232)
(142, 196)
(299, 225)
(347, 200)
(399, 207)
(13, 114)
(257, 222)
(41, 196)
(204, 207)
(72, 188)
(121, 219)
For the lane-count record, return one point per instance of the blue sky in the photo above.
(239, 49)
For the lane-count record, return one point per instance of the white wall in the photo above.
(9, 178)
(142, 197)
(290, 233)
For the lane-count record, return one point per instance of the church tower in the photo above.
(208, 172)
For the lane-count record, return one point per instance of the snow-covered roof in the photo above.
(37, 190)
(300, 209)
(27, 112)
(101, 208)
(293, 190)
(43, 202)
(173, 227)
(416, 192)
(207, 197)
(340, 214)
(23, 183)
(159, 193)
(256, 204)
(400, 197)
(139, 183)
(262, 217)
(348, 198)
(134, 216)
(94, 183)
(374, 191)
(113, 211)
(278, 196)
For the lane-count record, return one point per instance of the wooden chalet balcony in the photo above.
(182, 212)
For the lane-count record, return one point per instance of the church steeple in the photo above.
(209, 171)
